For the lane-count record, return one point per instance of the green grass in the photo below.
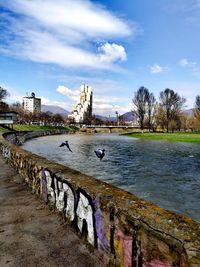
(24, 127)
(2, 130)
(173, 137)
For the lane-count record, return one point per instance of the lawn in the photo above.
(173, 137)
(25, 127)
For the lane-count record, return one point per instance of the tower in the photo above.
(83, 109)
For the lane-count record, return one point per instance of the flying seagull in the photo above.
(66, 144)
(100, 153)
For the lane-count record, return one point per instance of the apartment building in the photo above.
(32, 103)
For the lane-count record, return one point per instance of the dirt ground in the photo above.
(31, 234)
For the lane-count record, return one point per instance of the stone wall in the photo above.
(123, 229)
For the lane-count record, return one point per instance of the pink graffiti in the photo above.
(158, 263)
(126, 245)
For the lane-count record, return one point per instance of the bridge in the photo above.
(110, 127)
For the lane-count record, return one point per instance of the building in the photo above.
(31, 103)
(8, 118)
(83, 109)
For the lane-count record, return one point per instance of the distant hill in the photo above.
(188, 112)
(128, 116)
(104, 118)
(55, 109)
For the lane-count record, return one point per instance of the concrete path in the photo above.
(31, 234)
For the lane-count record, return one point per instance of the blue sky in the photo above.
(52, 47)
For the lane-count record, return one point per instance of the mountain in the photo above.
(128, 116)
(54, 109)
(188, 112)
(104, 118)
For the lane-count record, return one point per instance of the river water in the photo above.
(165, 173)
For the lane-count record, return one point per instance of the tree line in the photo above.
(24, 116)
(165, 114)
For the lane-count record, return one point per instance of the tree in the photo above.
(96, 121)
(196, 113)
(139, 101)
(46, 117)
(171, 103)
(150, 109)
(196, 110)
(3, 106)
(197, 102)
(3, 94)
(57, 118)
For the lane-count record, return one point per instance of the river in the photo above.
(166, 173)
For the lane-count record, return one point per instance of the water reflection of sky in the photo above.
(166, 173)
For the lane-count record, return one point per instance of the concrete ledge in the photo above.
(125, 230)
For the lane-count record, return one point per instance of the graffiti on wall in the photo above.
(59, 193)
(85, 216)
(100, 227)
(5, 152)
(76, 207)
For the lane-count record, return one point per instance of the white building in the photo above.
(83, 109)
(31, 103)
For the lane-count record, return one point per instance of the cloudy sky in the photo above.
(52, 47)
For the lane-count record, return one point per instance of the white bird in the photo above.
(100, 153)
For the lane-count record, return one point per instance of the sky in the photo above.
(115, 46)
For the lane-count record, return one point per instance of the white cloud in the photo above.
(45, 101)
(112, 53)
(184, 62)
(104, 105)
(80, 15)
(64, 33)
(190, 65)
(71, 94)
(189, 90)
(155, 69)
(109, 109)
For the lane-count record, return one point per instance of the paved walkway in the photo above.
(31, 234)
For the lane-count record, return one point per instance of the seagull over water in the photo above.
(100, 153)
(66, 144)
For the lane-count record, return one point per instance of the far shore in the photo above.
(193, 137)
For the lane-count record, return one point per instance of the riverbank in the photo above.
(27, 127)
(172, 137)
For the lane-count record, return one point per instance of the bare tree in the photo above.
(3, 94)
(197, 102)
(139, 101)
(196, 110)
(57, 118)
(196, 113)
(171, 104)
(150, 109)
